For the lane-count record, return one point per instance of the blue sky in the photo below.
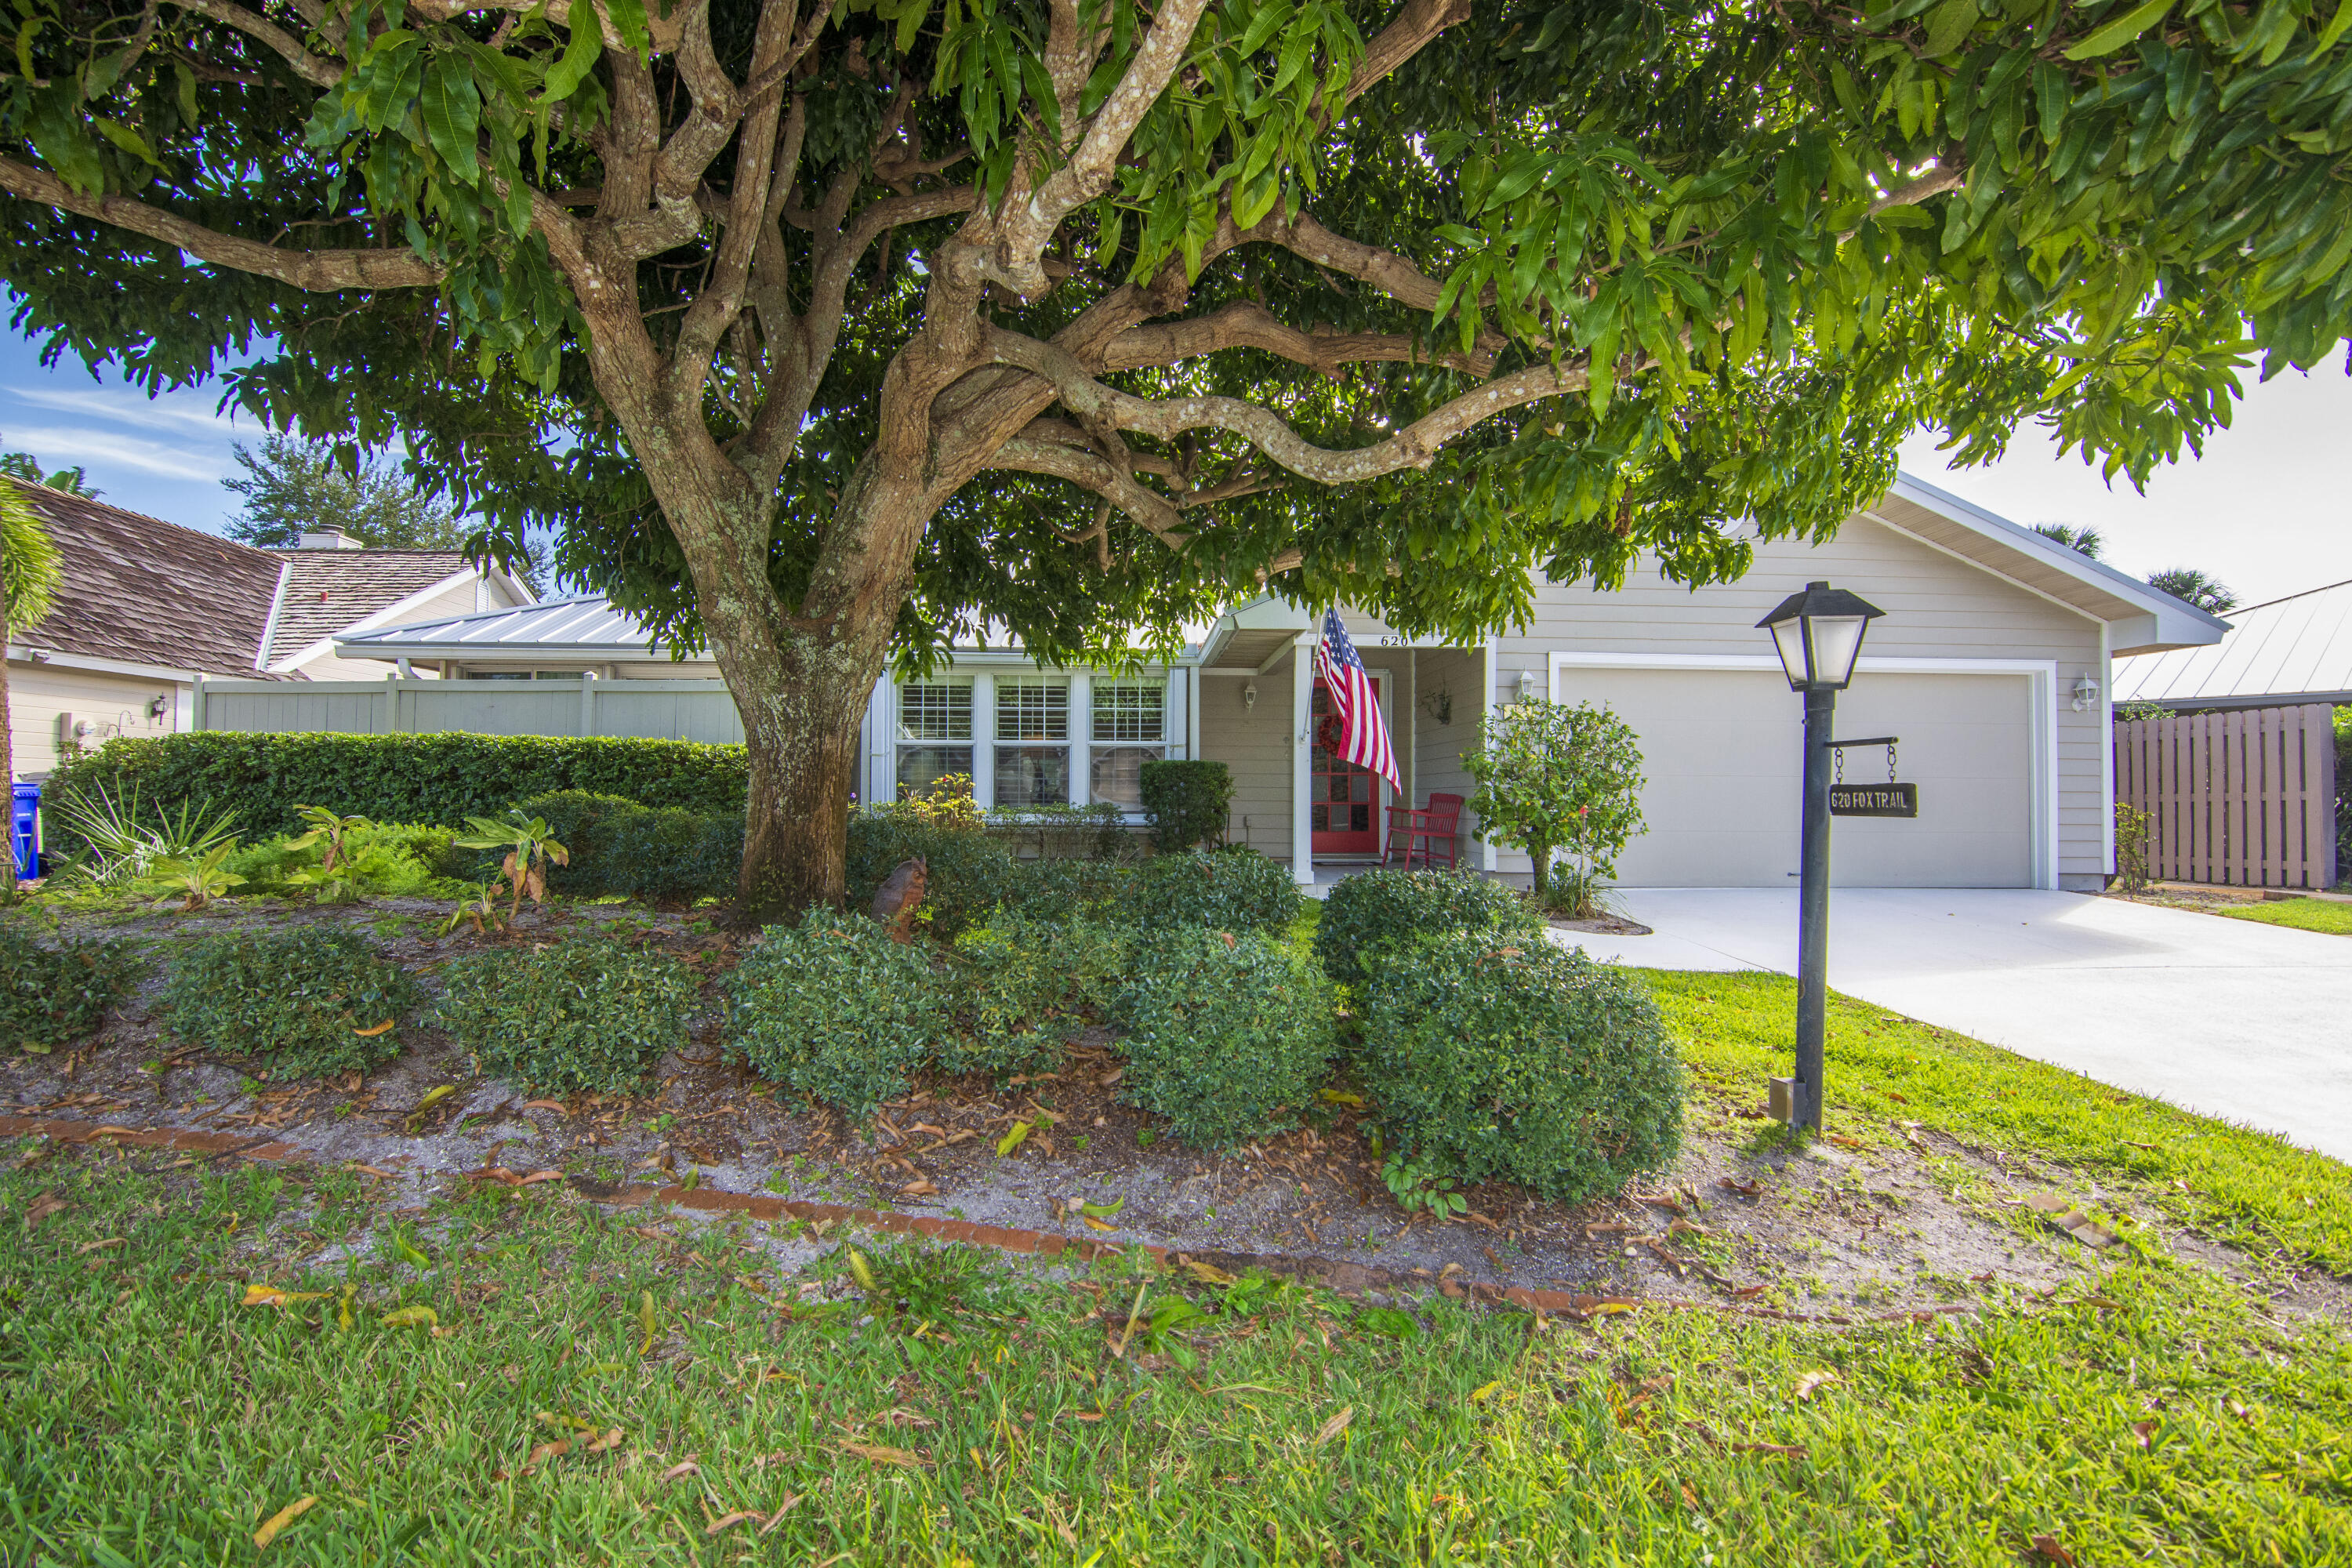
(2268, 510)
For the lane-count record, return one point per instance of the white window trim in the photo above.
(1179, 717)
(2042, 715)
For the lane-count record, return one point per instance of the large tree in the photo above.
(292, 487)
(828, 332)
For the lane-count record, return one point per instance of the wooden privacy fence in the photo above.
(2245, 798)
(663, 709)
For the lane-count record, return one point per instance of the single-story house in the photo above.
(2280, 653)
(1991, 665)
(148, 608)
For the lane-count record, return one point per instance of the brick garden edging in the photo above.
(1340, 1275)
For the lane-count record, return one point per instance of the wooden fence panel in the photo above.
(2242, 798)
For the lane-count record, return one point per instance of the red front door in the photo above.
(1346, 799)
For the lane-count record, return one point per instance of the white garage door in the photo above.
(1722, 753)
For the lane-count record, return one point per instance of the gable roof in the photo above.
(331, 591)
(2296, 649)
(144, 590)
(2140, 618)
(583, 625)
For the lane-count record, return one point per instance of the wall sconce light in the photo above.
(2086, 691)
(1439, 705)
(1530, 685)
(158, 705)
(1249, 697)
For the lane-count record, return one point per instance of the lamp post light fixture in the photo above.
(1818, 635)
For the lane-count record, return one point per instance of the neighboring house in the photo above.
(2289, 651)
(146, 609)
(1991, 665)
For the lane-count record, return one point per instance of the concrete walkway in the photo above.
(2251, 1023)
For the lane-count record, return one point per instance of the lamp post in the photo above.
(1818, 635)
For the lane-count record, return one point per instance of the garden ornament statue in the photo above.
(899, 895)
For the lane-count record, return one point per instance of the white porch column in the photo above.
(1082, 734)
(587, 702)
(1302, 778)
(984, 741)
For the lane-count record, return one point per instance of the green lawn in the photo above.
(959, 1411)
(2301, 914)
(2251, 1188)
(151, 1418)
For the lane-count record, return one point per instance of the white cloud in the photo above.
(186, 410)
(62, 446)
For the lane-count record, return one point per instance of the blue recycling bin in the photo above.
(27, 830)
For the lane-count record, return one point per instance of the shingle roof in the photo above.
(327, 590)
(2297, 649)
(145, 591)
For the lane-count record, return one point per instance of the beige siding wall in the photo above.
(1256, 744)
(1936, 608)
(38, 693)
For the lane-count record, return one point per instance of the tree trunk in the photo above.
(1539, 853)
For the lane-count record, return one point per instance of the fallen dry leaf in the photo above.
(728, 1520)
(1094, 1224)
(922, 1187)
(680, 1470)
(271, 1296)
(1206, 1273)
(41, 1208)
(100, 1246)
(1812, 1380)
(412, 1317)
(2047, 1545)
(882, 1454)
(792, 1502)
(2142, 1431)
(1337, 1425)
(546, 1105)
(537, 1176)
(281, 1518)
(382, 1028)
(370, 1171)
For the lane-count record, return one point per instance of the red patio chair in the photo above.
(1430, 830)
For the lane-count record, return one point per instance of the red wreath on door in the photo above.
(1327, 733)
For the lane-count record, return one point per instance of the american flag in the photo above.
(1363, 735)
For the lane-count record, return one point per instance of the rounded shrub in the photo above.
(51, 996)
(305, 1000)
(1228, 1036)
(589, 1012)
(969, 872)
(837, 1009)
(1186, 802)
(1022, 985)
(1497, 1058)
(1229, 889)
(1396, 908)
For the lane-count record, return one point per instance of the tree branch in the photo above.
(316, 70)
(320, 271)
(1419, 23)
(1086, 468)
(1415, 447)
(1242, 324)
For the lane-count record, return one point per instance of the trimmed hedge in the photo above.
(51, 996)
(438, 778)
(1495, 1059)
(1397, 908)
(1228, 1036)
(620, 847)
(1025, 985)
(589, 1012)
(1229, 889)
(305, 1000)
(837, 1009)
(1186, 802)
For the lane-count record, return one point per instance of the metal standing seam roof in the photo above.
(2298, 646)
(581, 624)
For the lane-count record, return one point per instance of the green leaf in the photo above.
(563, 78)
(123, 136)
(187, 84)
(1949, 26)
(452, 109)
(2120, 31)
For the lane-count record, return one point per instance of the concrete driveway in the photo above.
(2251, 1022)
